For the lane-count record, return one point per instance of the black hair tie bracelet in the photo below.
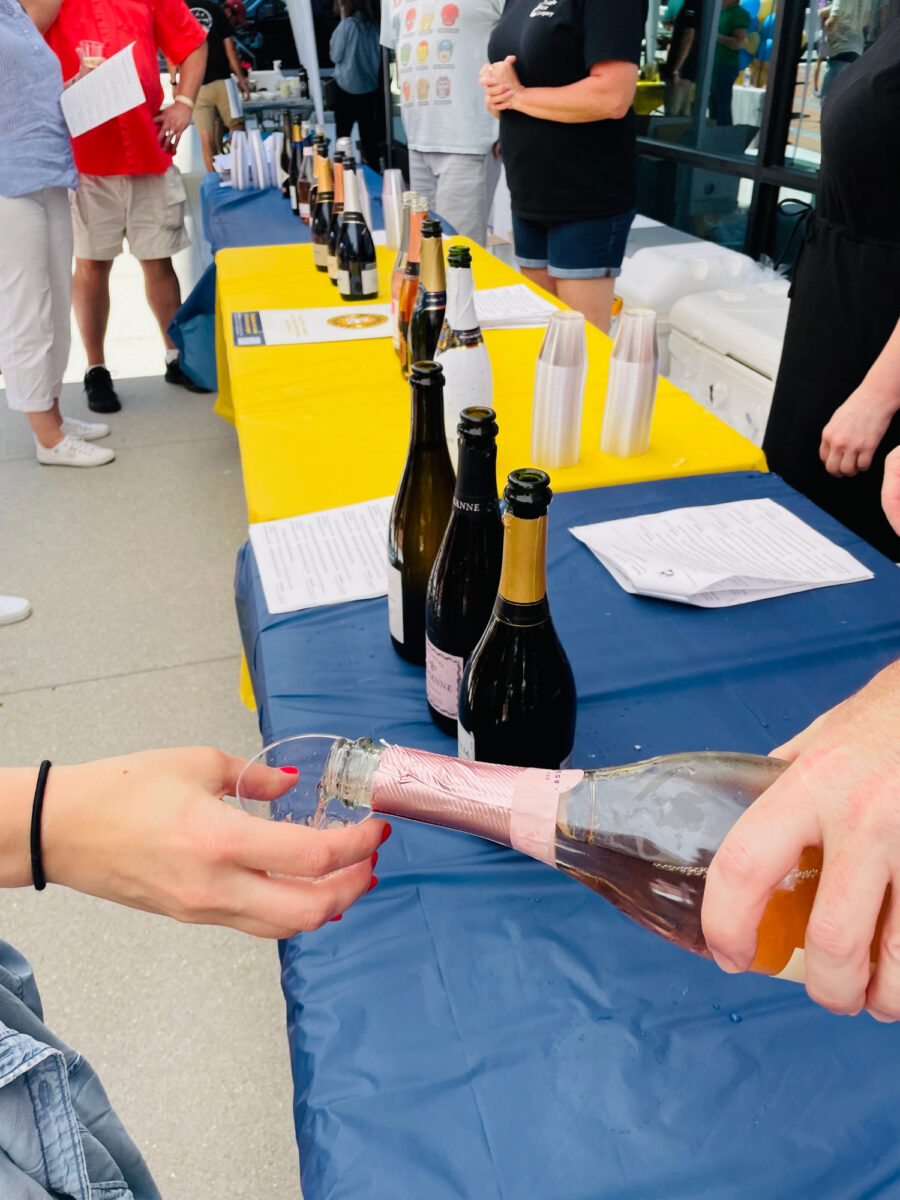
(37, 866)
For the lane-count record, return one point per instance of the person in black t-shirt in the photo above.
(212, 110)
(562, 79)
(680, 70)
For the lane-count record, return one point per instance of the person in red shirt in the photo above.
(128, 184)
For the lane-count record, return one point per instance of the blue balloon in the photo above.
(746, 58)
(751, 7)
(768, 26)
(765, 50)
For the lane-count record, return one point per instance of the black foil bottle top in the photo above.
(527, 493)
(431, 228)
(477, 423)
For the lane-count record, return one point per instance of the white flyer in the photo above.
(719, 554)
(297, 326)
(108, 91)
(327, 557)
(513, 307)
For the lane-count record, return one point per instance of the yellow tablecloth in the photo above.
(328, 424)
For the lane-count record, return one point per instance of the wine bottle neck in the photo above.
(323, 175)
(339, 183)
(476, 483)
(461, 315)
(431, 269)
(515, 806)
(415, 238)
(523, 575)
(427, 416)
(351, 193)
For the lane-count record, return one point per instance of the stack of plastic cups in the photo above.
(559, 380)
(631, 390)
(392, 189)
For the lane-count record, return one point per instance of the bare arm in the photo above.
(174, 120)
(606, 94)
(191, 72)
(684, 50)
(42, 12)
(150, 831)
(735, 41)
(235, 63)
(856, 429)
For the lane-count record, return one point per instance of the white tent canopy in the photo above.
(300, 12)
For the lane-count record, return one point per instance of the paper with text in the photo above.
(296, 326)
(513, 307)
(719, 554)
(108, 91)
(327, 557)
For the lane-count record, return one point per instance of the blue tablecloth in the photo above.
(482, 1027)
(262, 218)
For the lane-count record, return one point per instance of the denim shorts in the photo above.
(574, 249)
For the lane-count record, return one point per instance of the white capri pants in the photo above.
(36, 291)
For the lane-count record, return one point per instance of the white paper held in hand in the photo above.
(108, 91)
(328, 557)
(719, 554)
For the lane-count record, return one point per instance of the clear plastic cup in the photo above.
(305, 802)
(91, 54)
(559, 380)
(631, 389)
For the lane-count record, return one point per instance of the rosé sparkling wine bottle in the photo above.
(641, 835)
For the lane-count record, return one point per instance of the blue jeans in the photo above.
(591, 249)
(720, 89)
(58, 1135)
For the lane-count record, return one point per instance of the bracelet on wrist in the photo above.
(179, 99)
(37, 863)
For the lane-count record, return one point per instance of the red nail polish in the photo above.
(386, 834)
(374, 883)
(289, 770)
(374, 859)
(339, 917)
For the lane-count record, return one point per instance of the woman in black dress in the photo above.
(836, 410)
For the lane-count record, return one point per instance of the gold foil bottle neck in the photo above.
(523, 576)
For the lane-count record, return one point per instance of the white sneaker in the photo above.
(88, 431)
(12, 609)
(73, 452)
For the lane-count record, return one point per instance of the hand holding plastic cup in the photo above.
(91, 54)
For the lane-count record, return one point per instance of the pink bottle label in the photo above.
(535, 800)
(443, 675)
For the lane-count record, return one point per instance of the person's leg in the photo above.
(593, 297)
(163, 293)
(422, 178)
(585, 257)
(344, 114)
(205, 123)
(461, 195)
(720, 95)
(90, 300)
(26, 316)
(367, 119)
(542, 277)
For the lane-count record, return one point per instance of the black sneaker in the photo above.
(101, 395)
(174, 374)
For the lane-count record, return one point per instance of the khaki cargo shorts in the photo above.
(148, 210)
(212, 99)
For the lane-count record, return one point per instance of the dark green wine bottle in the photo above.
(517, 695)
(321, 218)
(466, 572)
(357, 270)
(420, 513)
(337, 213)
(427, 318)
(287, 148)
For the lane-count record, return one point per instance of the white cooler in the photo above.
(658, 277)
(724, 350)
